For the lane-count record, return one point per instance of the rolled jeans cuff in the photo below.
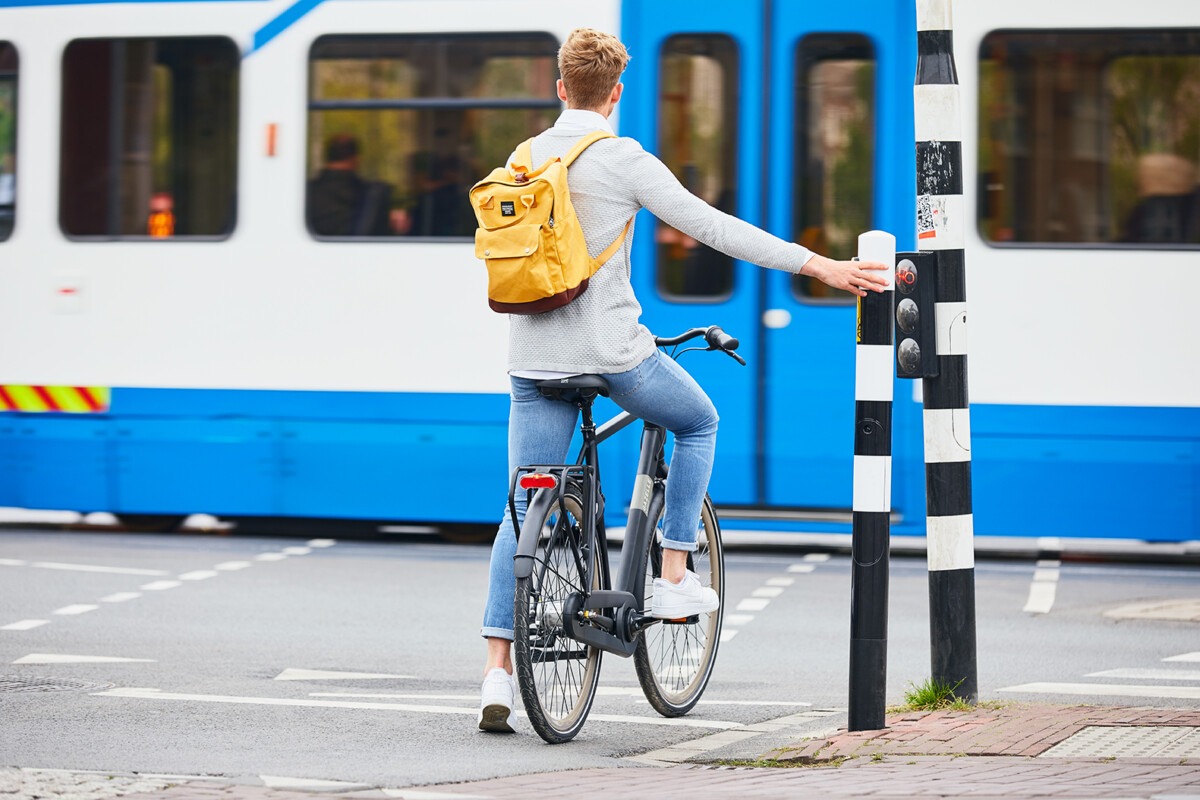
(496, 633)
(671, 544)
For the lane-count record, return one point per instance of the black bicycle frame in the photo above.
(610, 618)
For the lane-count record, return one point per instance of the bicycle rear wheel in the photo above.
(674, 660)
(557, 675)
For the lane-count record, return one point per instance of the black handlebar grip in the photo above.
(720, 339)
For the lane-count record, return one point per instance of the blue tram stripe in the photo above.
(286, 19)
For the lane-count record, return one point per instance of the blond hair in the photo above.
(590, 63)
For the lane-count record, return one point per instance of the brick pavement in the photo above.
(989, 752)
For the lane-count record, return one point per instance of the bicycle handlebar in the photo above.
(716, 338)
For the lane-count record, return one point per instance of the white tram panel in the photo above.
(269, 308)
(1073, 326)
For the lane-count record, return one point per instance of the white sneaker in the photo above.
(684, 599)
(496, 706)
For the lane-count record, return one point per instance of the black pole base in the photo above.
(868, 672)
(952, 631)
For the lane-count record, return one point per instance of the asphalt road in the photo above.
(209, 645)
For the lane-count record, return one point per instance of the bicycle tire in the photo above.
(557, 675)
(674, 661)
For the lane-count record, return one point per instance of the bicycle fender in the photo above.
(527, 541)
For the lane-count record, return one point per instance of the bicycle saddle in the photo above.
(561, 387)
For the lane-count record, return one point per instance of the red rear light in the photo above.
(538, 480)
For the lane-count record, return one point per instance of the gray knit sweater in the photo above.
(599, 331)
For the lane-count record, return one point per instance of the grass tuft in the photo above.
(933, 695)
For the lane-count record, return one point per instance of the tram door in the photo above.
(778, 112)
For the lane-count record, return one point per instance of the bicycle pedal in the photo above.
(692, 620)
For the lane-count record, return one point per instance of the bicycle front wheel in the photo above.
(557, 674)
(674, 660)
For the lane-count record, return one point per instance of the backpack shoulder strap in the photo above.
(524, 156)
(584, 144)
(611, 250)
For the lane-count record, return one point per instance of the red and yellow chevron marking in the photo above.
(67, 399)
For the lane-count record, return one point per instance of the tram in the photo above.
(188, 322)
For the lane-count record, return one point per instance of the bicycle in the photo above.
(567, 609)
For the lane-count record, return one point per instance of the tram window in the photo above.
(697, 140)
(8, 139)
(149, 138)
(835, 152)
(400, 127)
(1090, 137)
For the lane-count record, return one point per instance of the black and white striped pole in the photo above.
(941, 228)
(873, 377)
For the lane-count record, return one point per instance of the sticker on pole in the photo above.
(926, 218)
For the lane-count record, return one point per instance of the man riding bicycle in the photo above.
(599, 333)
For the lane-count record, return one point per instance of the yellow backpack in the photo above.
(529, 236)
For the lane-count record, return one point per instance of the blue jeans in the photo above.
(540, 431)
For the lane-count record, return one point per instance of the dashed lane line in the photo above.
(159, 586)
(767, 591)
(25, 625)
(737, 619)
(156, 694)
(79, 608)
(1184, 657)
(1044, 587)
(801, 568)
(120, 597)
(753, 604)
(153, 586)
(199, 575)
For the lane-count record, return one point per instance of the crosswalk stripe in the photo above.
(1149, 674)
(1107, 690)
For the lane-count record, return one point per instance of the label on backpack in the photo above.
(508, 209)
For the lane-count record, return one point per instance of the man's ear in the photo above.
(562, 90)
(615, 97)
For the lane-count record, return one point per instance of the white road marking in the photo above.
(270, 557)
(321, 542)
(1043, 588)
(79, 608)
(1184, 657)
(198, 575)
(156, 694)
(1149, 674)
(767, 591)
(11, 562)
(395, 696)
(231, 566)
(801, 568)
(297, 551)
(25, 625)
(707, 702)
(292, 674)
(60, 658)
(93, 568)
(753, 604)
(684, 751)
(309, 784)
(727, 635)
(738, 619)
(1107, 690)
(120, 597)
(158, 586)
(781, 581)
(817, 557)
(422, 794)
